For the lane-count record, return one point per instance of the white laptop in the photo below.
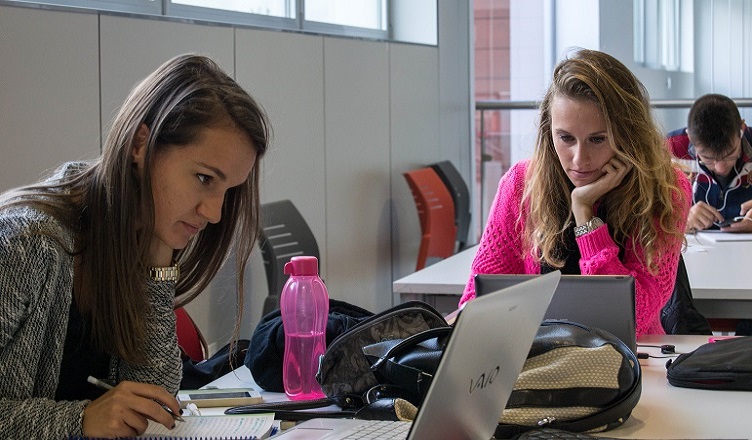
(483, 358)
(602, 301)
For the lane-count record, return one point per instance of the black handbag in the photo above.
(345, 374)
(721, 365)
(409, 364)
(576, 378)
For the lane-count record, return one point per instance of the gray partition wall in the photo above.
(348, 116)
(49, 91)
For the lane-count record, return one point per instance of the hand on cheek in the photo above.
(584, 197)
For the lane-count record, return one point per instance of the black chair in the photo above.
(285, 234)
(680, 316)
(460, 195)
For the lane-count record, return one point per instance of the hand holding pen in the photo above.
(125, 410)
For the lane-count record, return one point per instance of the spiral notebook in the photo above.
(235, 427)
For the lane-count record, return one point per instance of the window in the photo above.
(358, 18)
(137, 6)
(363, 18)
(274, 8)
(663, 34)
(369, 14)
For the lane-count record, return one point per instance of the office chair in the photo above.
(436, 214)
(190, 339)
(285, 234)
(460, 196)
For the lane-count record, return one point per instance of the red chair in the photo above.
(436, 214)
(190, 339)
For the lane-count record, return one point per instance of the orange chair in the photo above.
(190, 339)
(436, 214)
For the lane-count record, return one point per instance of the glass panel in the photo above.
(274, 8)
(136, 6)
(493, 148)
(369, 14)
(638, 22)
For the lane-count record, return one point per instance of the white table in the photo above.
(663, 412)
(719, 273)
(668, 412)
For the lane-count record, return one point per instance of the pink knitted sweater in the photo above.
(500, 251)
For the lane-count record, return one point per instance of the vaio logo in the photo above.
(484, 379)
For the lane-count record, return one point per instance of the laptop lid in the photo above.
(477, 372)
(602, 301)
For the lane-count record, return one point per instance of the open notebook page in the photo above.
(215, 427)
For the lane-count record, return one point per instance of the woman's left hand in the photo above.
(584, 197)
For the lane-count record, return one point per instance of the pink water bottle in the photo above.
(305, 309)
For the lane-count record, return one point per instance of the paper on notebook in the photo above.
(718, 236)
(215, 427)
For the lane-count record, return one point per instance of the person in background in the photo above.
(718, 145)
(94, 259)
(600, 195)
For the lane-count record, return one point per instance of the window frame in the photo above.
(169, 9)
(658, 27)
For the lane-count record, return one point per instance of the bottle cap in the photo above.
(304, 265)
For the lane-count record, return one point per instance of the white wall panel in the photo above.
(49, 94)
(745, 58)
(723, 47)
(132, 48)
(722, 57)
(746, 55)
(285, 73)
(415, 141)
(456, 88)
(356, 104)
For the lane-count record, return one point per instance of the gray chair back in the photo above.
(285, 234)
(460, 196)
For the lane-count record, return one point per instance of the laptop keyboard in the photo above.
(380, 429)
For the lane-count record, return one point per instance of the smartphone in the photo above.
(219, 397)
(728, 222)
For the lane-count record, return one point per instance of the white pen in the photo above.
(105, 386)
(100, 383)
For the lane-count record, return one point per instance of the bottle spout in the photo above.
(303, 265)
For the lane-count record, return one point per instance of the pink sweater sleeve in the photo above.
(500, 248)
(600, 256)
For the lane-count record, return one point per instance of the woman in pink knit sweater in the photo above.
(600, 195)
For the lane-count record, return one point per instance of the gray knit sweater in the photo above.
(36, 286)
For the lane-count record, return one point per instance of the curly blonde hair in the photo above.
(643, 207)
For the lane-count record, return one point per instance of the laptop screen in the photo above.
(602, 301)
